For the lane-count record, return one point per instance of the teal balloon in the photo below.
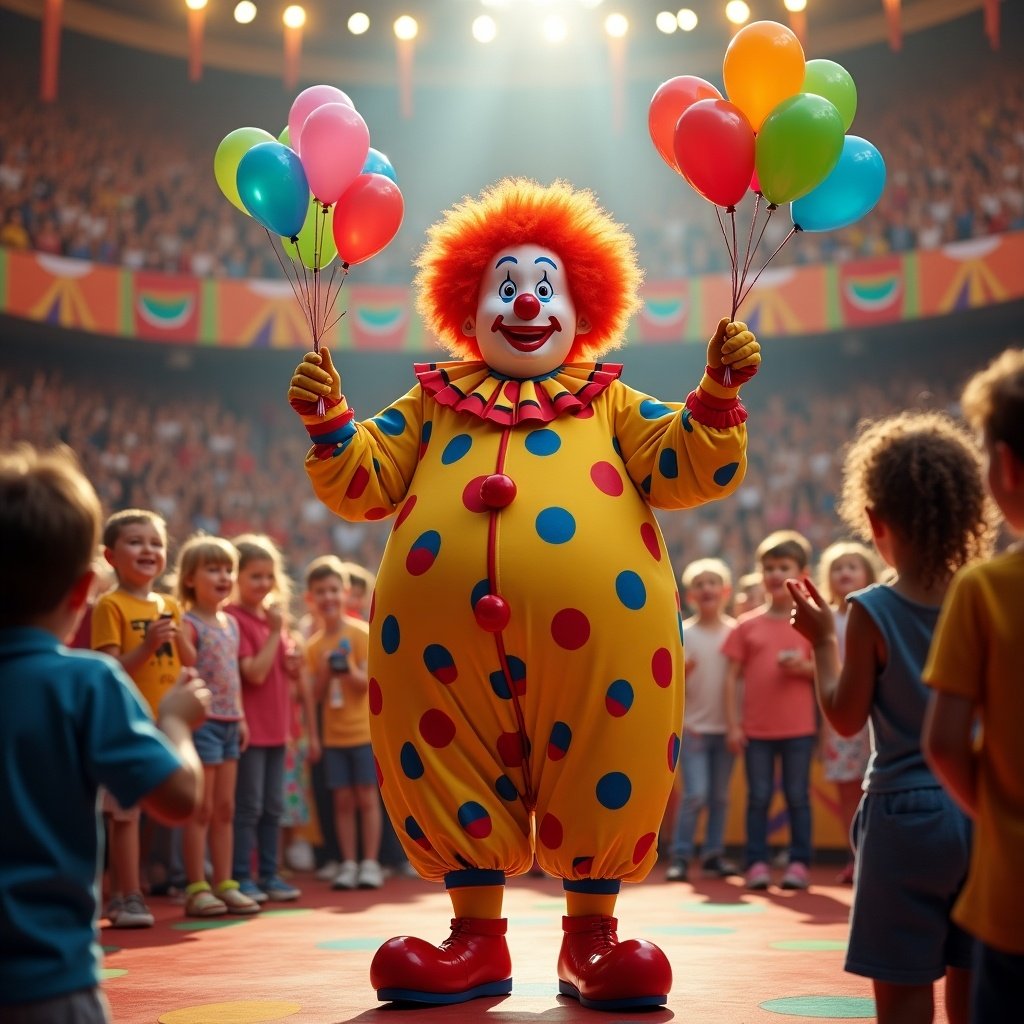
(378, 163)
(272, 186)
(831, 80)
(851, 190)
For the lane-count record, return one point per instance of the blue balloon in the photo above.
(851, 190)
(378, 163)
(273, 188)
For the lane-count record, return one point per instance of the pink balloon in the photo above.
(335, 142)
(755, 182)
(367, 217)
(305, 103)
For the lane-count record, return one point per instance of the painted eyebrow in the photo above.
(544, 259)
(505, 259)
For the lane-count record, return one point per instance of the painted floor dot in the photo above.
(809, 945)
(203, 926)
(691, 929)
(534, 989)
(111, 949)
(350, 944)
(244, 1011)
(723, 908)
(106, 973)
(839, 1007)
(294, 912)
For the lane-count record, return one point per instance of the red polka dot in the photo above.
(376, 697)
(471, 497)
(570, 629)
(606, 478)
(649, 535)
(585, 413)
(356, 486)
(437, 728)
(643, 845)
(510, 749)
(549, 832)
(661, 666)
(418, 561)
(377, 513)
(380, 774)
(404, 514)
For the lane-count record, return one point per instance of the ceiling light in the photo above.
(737, 12)
(294, 16)
(795, 6)
(687, 19)
(616, 25)
(195, 5)
(405, 27)
(665, 21)
(358, 23)
(554, 29)
(245, 12)
(484, 29)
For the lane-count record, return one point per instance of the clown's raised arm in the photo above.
(526, 648)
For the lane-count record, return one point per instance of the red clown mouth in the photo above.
(526, 337)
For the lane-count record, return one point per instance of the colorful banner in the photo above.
(785, 302)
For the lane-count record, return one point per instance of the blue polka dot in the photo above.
(668, 464)
(499, 684)
(679, 624)
(619, 698)
(390, 636)
(376, 466)
(645, 484)
(391, 422)
(617, 447)
(506, 788)
(630, 590)
(482, 589)
(560, 741)
(555, 525)
(687, 417)
(474, 819)
(425, 432)
(440, 663)
(673, 752)
(652, 410)
(543, 442)
(412, 828)
(725, 473)
(456, 448)
(411, 762)
(614, 790)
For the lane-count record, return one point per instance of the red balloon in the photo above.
(755, 181)
(714, 147)
(367, 217)
(667, 105)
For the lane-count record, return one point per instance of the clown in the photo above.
(526, 652)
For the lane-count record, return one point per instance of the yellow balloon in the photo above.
(229, 155)
(764, 64)
(315, 247)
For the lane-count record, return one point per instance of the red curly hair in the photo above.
(599, 257)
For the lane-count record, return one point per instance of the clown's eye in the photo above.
(544, 291)
(507, 289)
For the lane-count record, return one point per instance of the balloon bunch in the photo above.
(320, 192)
(781, 134)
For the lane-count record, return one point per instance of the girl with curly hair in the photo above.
(913, 484)
(526, 656)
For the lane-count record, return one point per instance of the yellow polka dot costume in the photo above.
(526, 650)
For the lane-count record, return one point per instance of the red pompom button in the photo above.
(492, 613)
(497, 491)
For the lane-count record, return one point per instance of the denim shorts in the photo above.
(349, 766)
(217, 741)
(913, 848)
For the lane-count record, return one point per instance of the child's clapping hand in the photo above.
(188, 700)
(811, 616)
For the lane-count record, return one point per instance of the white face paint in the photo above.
(525, 319)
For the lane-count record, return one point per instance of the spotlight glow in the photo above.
(554, 29)
(737, 12)
(245, 12)
(687, 19)
(795, 6)
(406, 27)
(358, 23)
(195, 5)
(616, 25)
(484, 29)
(294, 16)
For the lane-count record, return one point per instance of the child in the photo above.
(142, 629)
(360, 589)
(263, 649)
(845, 566)
(72, 721)
(777, 720)
(974, 669)
(706, 760)
(206, 574)
(336, 662)
(913, 484)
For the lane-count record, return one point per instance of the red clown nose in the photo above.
(526, 306)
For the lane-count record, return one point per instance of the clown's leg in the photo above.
(472, 962)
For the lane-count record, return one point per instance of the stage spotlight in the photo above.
(195, 5)
(358, 23)
(294, 16)
(616, 25)
(484, 29)
(795, 6)
(687, 19)
(245, 12)
(737, 12)
(665, 21)
(554, 29)
(406, 27)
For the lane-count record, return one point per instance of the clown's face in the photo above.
(525, 319)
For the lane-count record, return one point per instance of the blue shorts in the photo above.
(349, 766)
(217, 742)
(913, 849)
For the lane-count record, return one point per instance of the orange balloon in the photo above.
(764, 64)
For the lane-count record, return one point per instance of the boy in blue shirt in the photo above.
(72, 721)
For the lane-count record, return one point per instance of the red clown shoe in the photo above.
(472, 962)
(604, 974)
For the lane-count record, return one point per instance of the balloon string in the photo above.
(725, 238)
(332, 300)
(341, 283)
(771, 209)
(284, 270)
(750, 236)
(735, 268)
(792, 232)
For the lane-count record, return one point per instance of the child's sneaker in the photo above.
(299, 856)
(327, 872)
(247, 887)
(370, 875)
(277, 888)
(717, 866)
(133, 913)
(796, 877)
(113, 908)
(677, 871)
(758, 876)
(347, 876)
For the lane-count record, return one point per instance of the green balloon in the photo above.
(799, 143)
(229, 155)
(831, 80)
(285, 138)
(316, 228)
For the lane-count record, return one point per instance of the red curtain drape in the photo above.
(892, 16)
(49, 62)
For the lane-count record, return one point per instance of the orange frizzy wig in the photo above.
(599, 258)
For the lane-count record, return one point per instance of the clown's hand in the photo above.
(734, 346)
(733, 358)
(315, 378)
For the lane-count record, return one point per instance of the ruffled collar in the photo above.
(474, 388)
